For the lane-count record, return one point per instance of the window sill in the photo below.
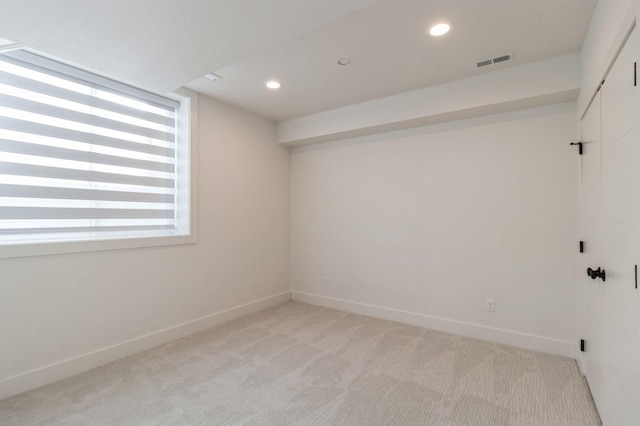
(53, 248)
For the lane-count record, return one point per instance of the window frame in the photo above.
(186, 203)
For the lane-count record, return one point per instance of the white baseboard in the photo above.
(476, 331)
(70, 367)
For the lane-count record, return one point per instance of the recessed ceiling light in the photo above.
(344, 61)
(439, 29)
(273, 84)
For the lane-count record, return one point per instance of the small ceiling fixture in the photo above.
(439, 29)
(344, 61)
(7, 45)
(273, 84)
(213, 77)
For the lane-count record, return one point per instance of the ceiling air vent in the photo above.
(492, 61)
(484, 63)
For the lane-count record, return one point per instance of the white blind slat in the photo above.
(82, 156)
(75, 135)
(25, 213)
(34, 86)
(84, 118)
(25, 191)
(82, 175)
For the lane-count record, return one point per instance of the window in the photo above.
(84, 158)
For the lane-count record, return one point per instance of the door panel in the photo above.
(621, 179)
(610, 212)
(620, 102)
(620, 339)
(619, 300)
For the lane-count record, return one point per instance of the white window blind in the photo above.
(81, 156)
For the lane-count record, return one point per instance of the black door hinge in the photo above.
(582, 345)
(600, 87)
(635, 74)
(581, 246)
(579, 146)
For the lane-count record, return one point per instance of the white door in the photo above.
(610, 219)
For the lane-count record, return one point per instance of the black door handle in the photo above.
(596, 273)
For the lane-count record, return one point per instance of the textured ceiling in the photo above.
(161, 45)
(391, 52)
(164, 44)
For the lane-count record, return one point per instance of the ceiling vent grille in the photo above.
(492, 61)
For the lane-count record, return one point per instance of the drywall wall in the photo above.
(539, 83)
(64, 313)
(423, 225)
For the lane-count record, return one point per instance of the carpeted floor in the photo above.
(307, 365)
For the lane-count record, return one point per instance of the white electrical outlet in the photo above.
(490, 305)
(325, 281)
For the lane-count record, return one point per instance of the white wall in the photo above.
(423, 225)
(57, 308)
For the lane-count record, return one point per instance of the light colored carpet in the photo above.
(307, 365)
